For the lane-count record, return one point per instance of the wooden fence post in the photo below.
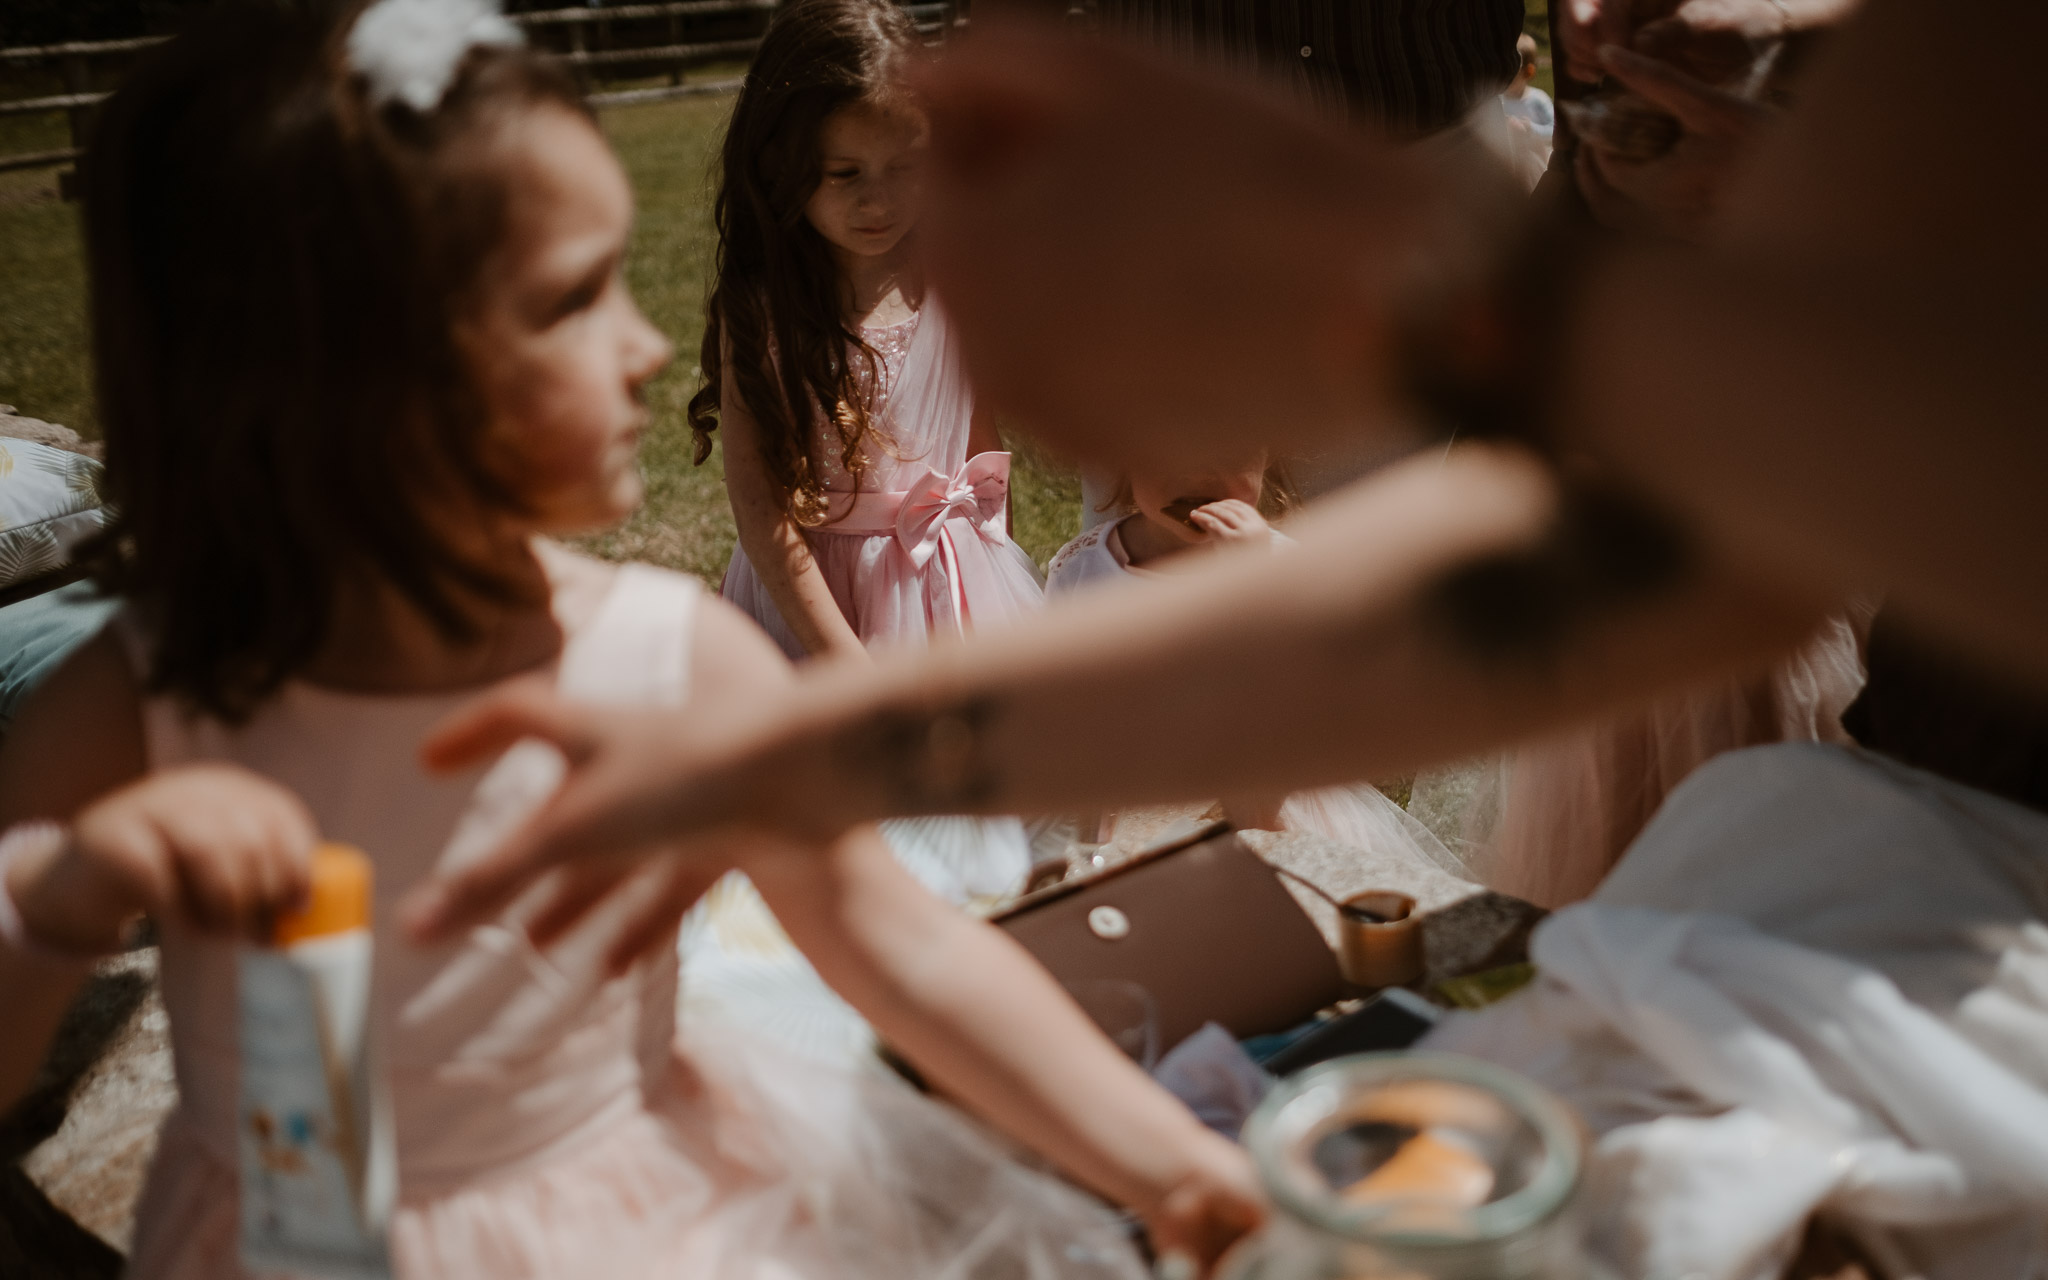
(77, 80)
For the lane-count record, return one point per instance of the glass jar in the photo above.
(1414, 1166)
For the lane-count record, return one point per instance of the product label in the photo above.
(306, 1131)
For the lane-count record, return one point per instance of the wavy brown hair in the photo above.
(776, 288)
(277, 272)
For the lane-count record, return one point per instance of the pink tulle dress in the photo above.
(550, 1125)
(920, 551)
(923, 548)
(1565, 808)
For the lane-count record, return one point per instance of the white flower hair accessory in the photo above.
(408, 49)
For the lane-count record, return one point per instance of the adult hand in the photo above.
(1145, 263)
(213, 846)
(1677, 193)
(1584, 27)
(638, 783)
(658, 891)
(1714, 40)
(1719, 40)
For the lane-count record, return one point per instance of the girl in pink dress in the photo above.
(871, 498)
(358, 292)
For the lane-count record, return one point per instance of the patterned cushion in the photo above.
(49, 504)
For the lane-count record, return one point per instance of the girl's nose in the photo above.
(650, 350)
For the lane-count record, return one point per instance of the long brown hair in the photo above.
(277, 269)
(776, 288)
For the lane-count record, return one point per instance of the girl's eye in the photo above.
(578, 299)
(842, 175)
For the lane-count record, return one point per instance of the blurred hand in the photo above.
(1232, 521)
(639, 783)
(1714, 40)
(1145, 263)
(661, 888)
(1584, 27)
(1717, 41)
(213, 846)
(1678, 193)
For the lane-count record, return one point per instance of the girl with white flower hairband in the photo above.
(365, 346)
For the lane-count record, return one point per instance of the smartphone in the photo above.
(1393, 1019)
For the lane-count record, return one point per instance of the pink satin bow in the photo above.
(978, 492)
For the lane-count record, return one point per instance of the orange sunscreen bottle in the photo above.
(319, 1173)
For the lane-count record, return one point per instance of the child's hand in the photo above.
(213, 845)
(1231, 521)
(1214, 1206)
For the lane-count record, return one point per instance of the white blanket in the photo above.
(1818, 981)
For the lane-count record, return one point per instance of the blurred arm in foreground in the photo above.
(1883, 429)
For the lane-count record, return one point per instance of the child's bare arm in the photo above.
(773, 542)
(208, 843)
(964, 1002)
(992, 1029)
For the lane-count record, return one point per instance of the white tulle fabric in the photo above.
(1557, 813)
(1818, 982)
(889, 593)
(550, 1124)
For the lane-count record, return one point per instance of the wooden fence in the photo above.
(601, 45)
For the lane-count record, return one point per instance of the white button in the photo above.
(1305, 51)
(1109, 924)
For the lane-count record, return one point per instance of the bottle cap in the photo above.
(1380, 939)
(338, 901)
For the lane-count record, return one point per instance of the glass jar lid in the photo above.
(1416, 1150)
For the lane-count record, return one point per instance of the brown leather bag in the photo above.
(1202, 924)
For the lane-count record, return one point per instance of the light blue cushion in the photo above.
(37, 634)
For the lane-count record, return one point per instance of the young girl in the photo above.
(870, 496)
(358, 304)
(1164, 516)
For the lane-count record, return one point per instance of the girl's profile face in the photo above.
(560, 350)
(872, 184)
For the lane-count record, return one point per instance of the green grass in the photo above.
(44, 366)
(669, 149)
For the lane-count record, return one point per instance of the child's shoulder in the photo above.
(1082, 560)
(581, 582)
